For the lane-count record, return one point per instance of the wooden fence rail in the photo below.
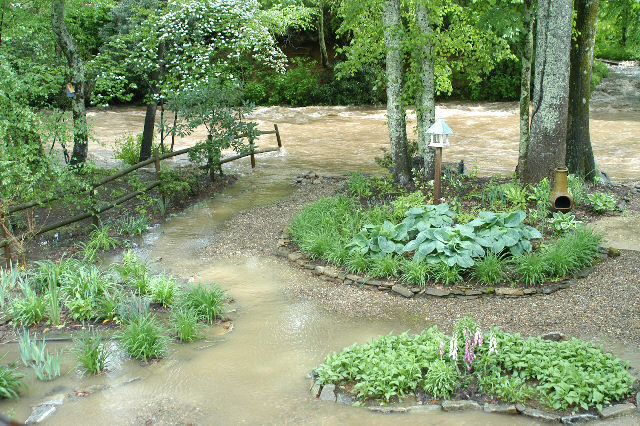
(156, 158)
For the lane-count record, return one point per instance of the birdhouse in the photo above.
(439, 132)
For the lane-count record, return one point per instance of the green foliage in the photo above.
(384, 266)
(564, 222)
(91, 351)
(127, 149)
(11, 383)
(143, 339)
(601, 202)
(163, 290)
(9, 279)
(531, 268)
(506, 388)
(577, 189)
(185, 324)
(415, 273)
(28, 309)
(35, 355)
(446, 274)
(208, 302)
(133, 272)
(99, 240)
(502, 83)
(133, 308)
(598, 72)
(358, 262)
(405, 202)
(133, 225)
(490, 269)
(511, 195)
(568, 374)
(84, 287)
(442, 379)
(358, 185)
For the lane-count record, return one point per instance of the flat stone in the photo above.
(565, 284)
(529, 291)
(301, 262)
(355, 278)
(283, 251)
(295, 256)
(282, 242)
(402, 290)
(341, 398)
(509, 291)
(425, 407)
(54, 400)
(613, 252)
(459, 405)
(315, 389)
(620, 232)
(40, 413)
(375, 283)
(388, 410)
(415, 289)
(520, 407)
(500, 408)
(550, 289)
(473, 293)
(578, 418)
(309, 266)
(348, 282)
(459, 291)
(328, 393)
(318, 270)
(467, 297)
(583, 273)
(555, 336)
(617, 410)
(438, 292)
(330, 272)
(541, 415)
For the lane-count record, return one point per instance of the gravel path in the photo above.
(603, 305)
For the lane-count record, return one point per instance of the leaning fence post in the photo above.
(275, 126)
(7, 244)
(253, 157)
(156, 161)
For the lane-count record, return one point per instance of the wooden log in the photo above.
(253, 156)
(275, 126)
(437, 175)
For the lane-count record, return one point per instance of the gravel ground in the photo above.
(603, 305)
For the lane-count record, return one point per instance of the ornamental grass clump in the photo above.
(11, 382)
(208, 302)
(415, 273)
(34, 354)
(185, 324)
(144, 339)
(91, 351)
(163, 290)
(490, 269)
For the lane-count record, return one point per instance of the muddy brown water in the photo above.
(256, 373)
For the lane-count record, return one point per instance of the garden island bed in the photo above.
(564, 380)
(492, 237)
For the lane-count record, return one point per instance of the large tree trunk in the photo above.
(395, 108)
(70, 51)
(547, 148)
(324, 58)
(425, 102)
(580, 159)
(525, 86)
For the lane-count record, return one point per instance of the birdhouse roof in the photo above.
(440, 128)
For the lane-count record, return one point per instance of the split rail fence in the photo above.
(96, 210)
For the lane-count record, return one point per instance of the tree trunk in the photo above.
(547, 148)
(70, 51)
(525, 87)
(580, 159)
(395, 108)
(425, 102)
(152, 106)
(324, 58)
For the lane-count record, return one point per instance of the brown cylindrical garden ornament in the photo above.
(561, 200)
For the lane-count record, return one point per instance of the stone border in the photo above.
(330, 392)
(334, 274)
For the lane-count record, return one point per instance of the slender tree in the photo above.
(580, 159)
(76, 65)
(425, 102)
(324, 58)
(394, 76)
(526, 59)
(547, 148)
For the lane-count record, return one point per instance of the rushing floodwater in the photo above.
(256, 373)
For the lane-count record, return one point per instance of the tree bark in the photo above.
(425, 102)
(70, 51)
(525, 87)
(394, 76)
(324, 58)
(547, 148)
(580, 159)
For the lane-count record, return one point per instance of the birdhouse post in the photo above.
(439, 132)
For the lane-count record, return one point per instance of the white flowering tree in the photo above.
(182, 47)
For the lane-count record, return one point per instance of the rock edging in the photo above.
(334, 274)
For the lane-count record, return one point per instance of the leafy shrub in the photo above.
(577, 189)
(208, 302)
(143, 339)
(502, 83)
(91, 351)
(563, 222)
(11, 383)
(185, 324)
(489, 270)
(127, 149)
(99, 240)
(406, 202)
(441, 379)
(602, 202)
(358, 185)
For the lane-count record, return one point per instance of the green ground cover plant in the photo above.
(144, 339)
(185, 324)
(11, 382)
(366, 232)
(91, 351)
(34, 354)
(569, 375)
(207, 301)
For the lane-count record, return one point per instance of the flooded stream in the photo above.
(256, 373)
